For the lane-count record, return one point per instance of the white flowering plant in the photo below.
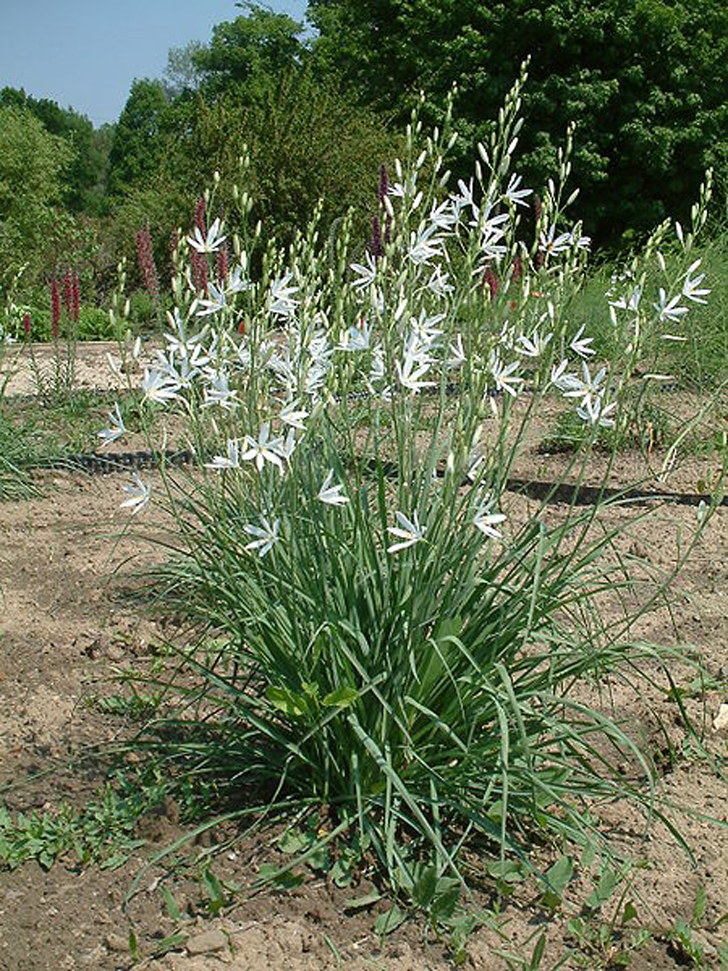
(400, 640)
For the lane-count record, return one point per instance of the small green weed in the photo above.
(137, 706)
(102, 832)
(15, 448)
(651, 428)
(683, 944)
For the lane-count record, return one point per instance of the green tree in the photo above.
(250, 52)
(644, 80)
(32, 168)
(140, 135)
(182, 73)
(307, 144)
(83, 181)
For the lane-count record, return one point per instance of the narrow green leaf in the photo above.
(170, 943)
(357, 903)
(629, 913)
(535, 963)
(293, 841)
(215, 890)
(172, 908)
(285, 879)
(699, 908)
(390, 920)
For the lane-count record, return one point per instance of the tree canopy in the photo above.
(82, 186)
(644, 81)
(250, 52)
(32, 166)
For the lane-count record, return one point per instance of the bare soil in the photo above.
(65, 634)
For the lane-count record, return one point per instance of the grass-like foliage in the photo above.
(16, 481)
(391, 640)
(696, 356)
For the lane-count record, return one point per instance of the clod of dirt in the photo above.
(209, 942)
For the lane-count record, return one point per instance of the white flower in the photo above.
(581, 242)
(288, 447)
(457, 352)
(593, 410)
(377, 369)
(669, 310)
(476, 459)
(209, 243)
(424, 329)
(293, 417)
(424, 245)
(114, 365)
(357, 338)
(409, 531)
(533, 346)
(331, 495)
(438, 284)
(504, 375)
(399, 190)
(219, 393)
(631, 302)
(691, 286)
(411, 372)
(366, 274)
(158, 386)
(231, 461)
(116, 430)
(314, 378)
(217, 304)
(444, 216)
(281, 302)
(140, 493)
(486, 520)
(565, 382)
(178, 343)
(266, 535)
(550, 243)
(513, 194)
(491, 234)
(582, 345)
(235, 282)
(586, 388)
(265, 449)
(465, 199)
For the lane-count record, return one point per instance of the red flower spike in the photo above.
(491, 281)
(55, 308)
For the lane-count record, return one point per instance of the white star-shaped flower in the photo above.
(331, 495)
(409, 531)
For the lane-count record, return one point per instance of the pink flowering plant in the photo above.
(397, 639)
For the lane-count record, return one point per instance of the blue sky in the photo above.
(84, 54)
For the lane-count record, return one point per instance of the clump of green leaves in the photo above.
(102, 831)
(651, 428)
(384, 645)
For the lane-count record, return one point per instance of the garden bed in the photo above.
(68, 632)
